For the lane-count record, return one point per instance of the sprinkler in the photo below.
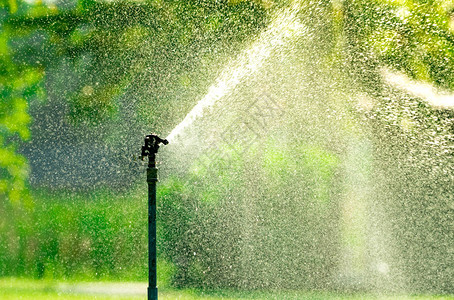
(150, 149)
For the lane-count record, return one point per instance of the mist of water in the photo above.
(290, 172)
(303, 183)
(284, 28)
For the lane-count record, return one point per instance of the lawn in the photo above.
(15, 289)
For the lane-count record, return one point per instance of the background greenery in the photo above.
(176, 48)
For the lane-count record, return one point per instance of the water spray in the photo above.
(284, 28)
(150, 149)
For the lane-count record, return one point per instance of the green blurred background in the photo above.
(74, 72)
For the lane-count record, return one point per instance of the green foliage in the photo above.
(107, 45)
(90, 236)
(415, 37)
(18, 85)
(112, 43)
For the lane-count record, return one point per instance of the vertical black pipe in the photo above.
(152, 178)
(150, 149)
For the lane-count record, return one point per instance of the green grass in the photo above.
(15, 289)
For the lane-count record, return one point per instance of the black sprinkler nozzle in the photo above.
(152, 143)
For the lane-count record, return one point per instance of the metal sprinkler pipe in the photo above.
(150, 149)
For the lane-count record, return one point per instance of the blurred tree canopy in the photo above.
(108, 44)
(104, 46)
(415, 37)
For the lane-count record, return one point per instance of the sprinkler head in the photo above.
(152, 143)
